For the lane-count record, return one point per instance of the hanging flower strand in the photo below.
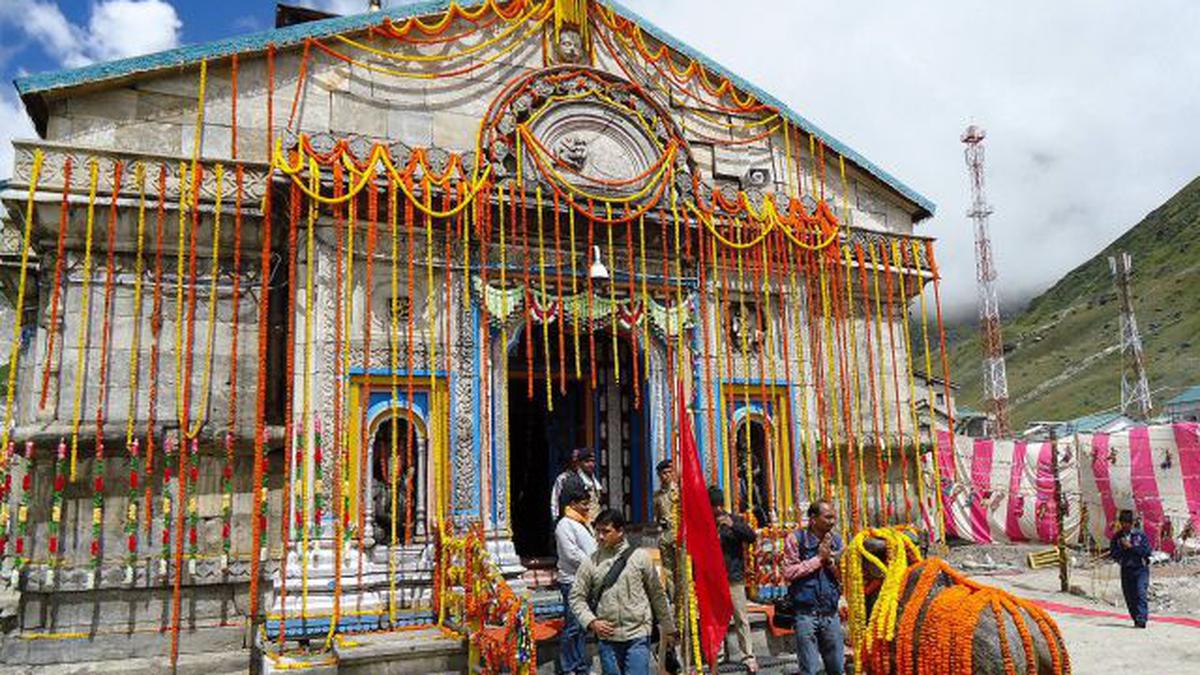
(131, 513)
(23, 516)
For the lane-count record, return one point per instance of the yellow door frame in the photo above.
(436, 428)
(779, 446)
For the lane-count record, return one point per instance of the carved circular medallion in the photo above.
(586, 128)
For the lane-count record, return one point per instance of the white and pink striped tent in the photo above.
(1003, 491)
(1153, 470)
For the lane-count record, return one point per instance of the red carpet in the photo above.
(1060, 608)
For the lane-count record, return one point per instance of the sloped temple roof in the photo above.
(32, 88)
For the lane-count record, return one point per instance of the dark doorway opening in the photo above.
(409, 483)
(752, 434)
(540, 442)
(600, 418)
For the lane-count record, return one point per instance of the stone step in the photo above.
(217, 663)
(425, 651)
(153, 646)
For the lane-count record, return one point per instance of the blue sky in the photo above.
(1090, 105)
(201, 21)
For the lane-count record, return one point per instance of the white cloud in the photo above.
(45, 24)
(1090, 108)
(14, 123)
(120, 28)
(116, 29)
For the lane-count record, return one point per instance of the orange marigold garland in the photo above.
(933, 633)
(99, 465)
(258, 483)
(156, 334)
(64, 213)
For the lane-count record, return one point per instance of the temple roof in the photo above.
(33, 88)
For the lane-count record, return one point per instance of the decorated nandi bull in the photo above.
(922, 617)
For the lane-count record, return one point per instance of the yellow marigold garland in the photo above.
(934, 634)
(880, 625)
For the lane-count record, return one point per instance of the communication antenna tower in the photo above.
(995, 380)
(1135, 390)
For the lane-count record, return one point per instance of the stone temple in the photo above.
(308, 321)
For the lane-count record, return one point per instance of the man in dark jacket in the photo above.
(735, 534)
(1131, 549)
(810, 565)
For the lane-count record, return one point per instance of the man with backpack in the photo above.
(618, 597)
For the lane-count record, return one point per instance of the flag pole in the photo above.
(681, 576)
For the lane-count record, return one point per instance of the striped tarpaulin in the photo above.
(1003, 490)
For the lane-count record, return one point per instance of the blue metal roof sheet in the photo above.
(1189, 395)
(292, 35)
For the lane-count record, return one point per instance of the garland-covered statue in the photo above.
(909, 615)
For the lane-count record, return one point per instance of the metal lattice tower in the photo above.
(995, 379)
(1135, 390)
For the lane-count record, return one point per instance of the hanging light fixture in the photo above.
(597, 270)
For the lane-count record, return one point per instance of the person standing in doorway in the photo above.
(1131, 549)
(735, 535)
(581, 470)
(810, 566)
(575, 542)
(618, 597)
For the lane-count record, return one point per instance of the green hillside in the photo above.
(1063, 352)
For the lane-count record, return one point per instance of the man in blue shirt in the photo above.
(1131, 549)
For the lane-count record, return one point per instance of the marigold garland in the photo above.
(933, 632)
(86, 276)
(22, 555)
(7, 453)
(131, 515)
(170, 446)
(54, 526)
(156, 334)
(99, 463)
(64, 215)
(258, 482)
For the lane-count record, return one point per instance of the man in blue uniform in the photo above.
(1131, 549)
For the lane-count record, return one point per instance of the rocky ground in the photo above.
(1174, 585)
(1100, 639)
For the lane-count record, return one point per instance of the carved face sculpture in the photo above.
(572, 150)
(570, 46)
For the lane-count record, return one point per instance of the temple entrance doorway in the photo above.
(603, 418)
(409, 470)
(754, 468)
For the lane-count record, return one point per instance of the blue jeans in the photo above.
(819, 646)
(572, 641)
(631, 657)
(1134, 583)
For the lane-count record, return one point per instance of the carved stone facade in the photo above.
(610, 177)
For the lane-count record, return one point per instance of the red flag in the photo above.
(699, 530)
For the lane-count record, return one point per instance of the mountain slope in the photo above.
(1063, 350)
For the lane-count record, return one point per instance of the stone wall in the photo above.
(152, 117)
